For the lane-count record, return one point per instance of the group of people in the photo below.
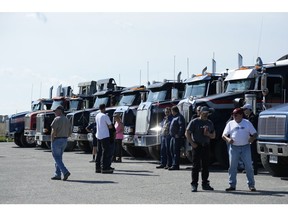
(107, 142)
(240, 135)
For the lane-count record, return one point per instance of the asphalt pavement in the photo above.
(25, 179)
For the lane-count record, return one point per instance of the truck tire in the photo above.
(277, 170)
(17, 139)
(137, 152)
(84, 146)
(24, 141)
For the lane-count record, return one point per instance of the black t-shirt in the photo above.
(196, 127)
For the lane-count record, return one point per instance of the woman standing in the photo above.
(119, 127)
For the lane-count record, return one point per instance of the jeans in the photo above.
(58, 146)
(176, 144)
(165, 152)
(235, 153)
(104, 154)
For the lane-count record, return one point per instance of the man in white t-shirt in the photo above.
(239, 133)
(103, 157)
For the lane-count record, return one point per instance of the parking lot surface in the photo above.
(25, 179)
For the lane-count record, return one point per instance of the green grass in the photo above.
(4, 139)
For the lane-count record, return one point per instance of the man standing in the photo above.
(61, 130)
(247, 108)
(239, 134)
(177, 132)
(198, 133)
(104, 147)
(165, 152)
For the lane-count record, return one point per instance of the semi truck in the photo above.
(130, 99)
(107, 93)
(260, 85)
(151, 112)
(84, 99)
(30, 118)
(272, 141)
(15, 124)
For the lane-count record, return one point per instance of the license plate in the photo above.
(273, 159)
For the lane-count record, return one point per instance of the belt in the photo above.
(60, 138)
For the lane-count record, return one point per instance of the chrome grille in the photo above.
(272, 126)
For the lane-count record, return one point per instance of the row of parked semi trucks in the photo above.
(142, 109)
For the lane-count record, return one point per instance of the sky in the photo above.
(43, 49)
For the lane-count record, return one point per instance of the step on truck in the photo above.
(260, 85)
(151, 113)
(272, 141)
(15, 125)
(84, 99)
(107, 93)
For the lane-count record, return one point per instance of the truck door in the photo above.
(276, 90)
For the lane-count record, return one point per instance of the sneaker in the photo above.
(207, 187)
(230, 189)
(160, 167)
(194, 188)
(92, 161)
(66, 176)
(252, 188)
(56, 178)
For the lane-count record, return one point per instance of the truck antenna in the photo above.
(260, 36)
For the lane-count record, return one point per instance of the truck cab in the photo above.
(262, 85)
(107, 92)
(16, 123)
(130, 99)
(151, 113)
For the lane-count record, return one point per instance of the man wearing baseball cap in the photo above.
(61, 130)
(247, 109)
(239, 133)
(198, 133)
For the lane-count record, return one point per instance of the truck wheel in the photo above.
(84, 146)
(24, 141)
(70, 146)
(17, 139)
(137, 152)
(42, 144)
(277, 170)
(154, 152)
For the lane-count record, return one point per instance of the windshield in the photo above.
(127, 100)
(74, 104)
(36, 107)
(196, 89)
(100, 100)
(56, 104)
(240, 85)
(156, 96)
